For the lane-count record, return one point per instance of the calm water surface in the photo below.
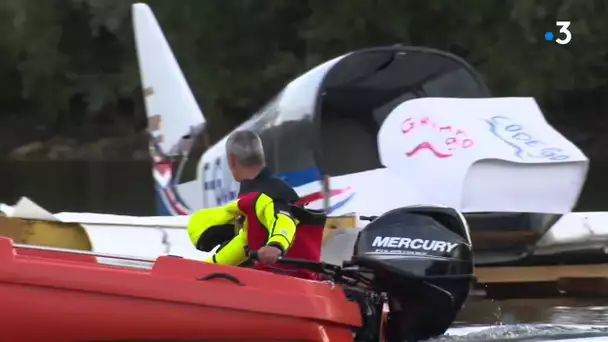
(555, 311)
(561, 319)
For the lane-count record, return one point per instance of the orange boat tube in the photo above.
(51, 298)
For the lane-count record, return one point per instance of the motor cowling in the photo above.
(421, 258)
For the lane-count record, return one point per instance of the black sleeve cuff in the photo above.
(277, 245)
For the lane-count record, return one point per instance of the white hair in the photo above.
(247, 147)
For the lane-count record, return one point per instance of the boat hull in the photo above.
(54, 299)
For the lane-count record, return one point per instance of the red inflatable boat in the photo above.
(66, 296)
(45, 296)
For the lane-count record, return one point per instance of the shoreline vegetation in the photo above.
(70, 88)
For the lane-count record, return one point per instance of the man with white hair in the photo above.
(272, 224)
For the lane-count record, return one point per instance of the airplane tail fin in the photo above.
(174, 117)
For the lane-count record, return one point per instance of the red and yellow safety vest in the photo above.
(298, 232)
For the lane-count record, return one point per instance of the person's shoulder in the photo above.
(279, 180)
(285, 190)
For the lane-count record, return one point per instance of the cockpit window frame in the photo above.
(317, 115)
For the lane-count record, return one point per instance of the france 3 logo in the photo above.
(563, 37)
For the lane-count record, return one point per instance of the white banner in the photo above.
(495, 154)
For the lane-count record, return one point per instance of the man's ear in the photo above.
(230, 158)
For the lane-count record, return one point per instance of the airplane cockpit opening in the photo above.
(360, 91)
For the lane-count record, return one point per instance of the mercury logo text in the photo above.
(407, 243)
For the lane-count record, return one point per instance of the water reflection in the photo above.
(552, 311)
(106, 187)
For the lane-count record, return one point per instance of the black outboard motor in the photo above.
(421, 261)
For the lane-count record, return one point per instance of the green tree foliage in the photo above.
(73, 61)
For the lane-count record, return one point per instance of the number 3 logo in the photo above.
(563, 29)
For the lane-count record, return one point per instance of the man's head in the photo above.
(245, 154)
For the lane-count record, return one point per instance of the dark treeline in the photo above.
(69, 66)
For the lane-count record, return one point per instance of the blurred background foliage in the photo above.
(69, 65)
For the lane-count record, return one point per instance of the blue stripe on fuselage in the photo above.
(161, 205)
(301, 177)
(293, 178)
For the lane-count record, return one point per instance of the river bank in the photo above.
(129, 148)
(128, 140)
(134, 146)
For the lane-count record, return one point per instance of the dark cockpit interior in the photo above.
(364, 87)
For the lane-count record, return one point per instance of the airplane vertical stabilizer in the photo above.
(174, 117)
(170, 104)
